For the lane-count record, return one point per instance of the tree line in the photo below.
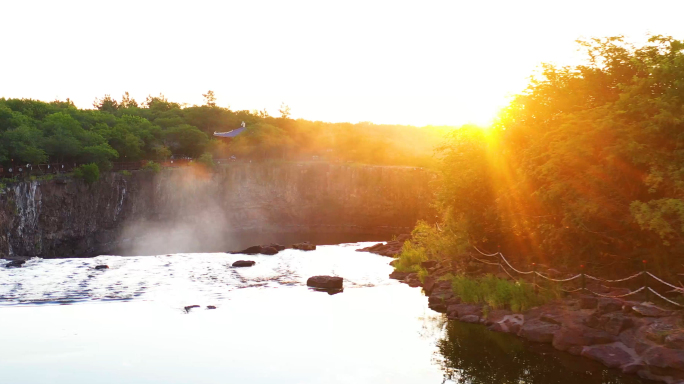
(585, 167)
(33, 131)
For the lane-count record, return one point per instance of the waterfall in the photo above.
(27, 206)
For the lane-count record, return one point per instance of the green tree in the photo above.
(106, 104)
(23, 145)
(187, 140)
(127, 101)
(284, 111)
(90, 173)
(209, 98)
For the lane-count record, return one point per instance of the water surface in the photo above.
(62, 321)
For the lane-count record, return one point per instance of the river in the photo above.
(62, 321)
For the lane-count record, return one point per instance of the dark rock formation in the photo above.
(412, 280)
(588, 302)
(574, 337)
(458, 311)
(398, 275)
(211, 307)
(259, 249)
(305, 246)
(613, 355)
(244, 263)
(102, 266)
(189, 307)
(277, 247)
(66, 218)
(15, 264)
(325, 282)
(391, 248)
(607, 305)
(539, 331)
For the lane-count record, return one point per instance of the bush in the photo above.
(90, 173)
(207, 159)
(125, 173)
(152, 166)
(410, 258)
(499, 293)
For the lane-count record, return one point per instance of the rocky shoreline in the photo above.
(635, 337)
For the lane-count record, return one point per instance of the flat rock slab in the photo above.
(539, 331)
(664, 358)
(575, 337)
(650, 310)
(244, 263)
(612, 355)
(325, 282)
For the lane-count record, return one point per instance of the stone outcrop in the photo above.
(390, 248)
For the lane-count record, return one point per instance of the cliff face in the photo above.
(184, 208)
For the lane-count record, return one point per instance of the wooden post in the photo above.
(534, 277)
(645, 280)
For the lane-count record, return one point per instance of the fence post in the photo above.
(645, 280)
(584, 282)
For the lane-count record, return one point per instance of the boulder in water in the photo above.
(270, 249)
(244, 263)
(278, 247)
(305, 246)
(15, 264)
(325, 282)
(398, 275)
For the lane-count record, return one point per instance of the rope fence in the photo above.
(583, 276)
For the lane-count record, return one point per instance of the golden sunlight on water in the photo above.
(127, 324)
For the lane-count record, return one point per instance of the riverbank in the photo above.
(635, 337)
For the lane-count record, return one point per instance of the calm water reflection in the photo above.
(127, 325)
(469, 353)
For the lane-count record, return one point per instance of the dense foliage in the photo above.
(37, 132)
(584, 167)
(90, 173)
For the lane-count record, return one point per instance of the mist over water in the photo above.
(194, 210)
(193, 216)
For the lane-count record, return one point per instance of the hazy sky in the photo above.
(420, 62)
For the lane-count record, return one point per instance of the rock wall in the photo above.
(66, 218)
